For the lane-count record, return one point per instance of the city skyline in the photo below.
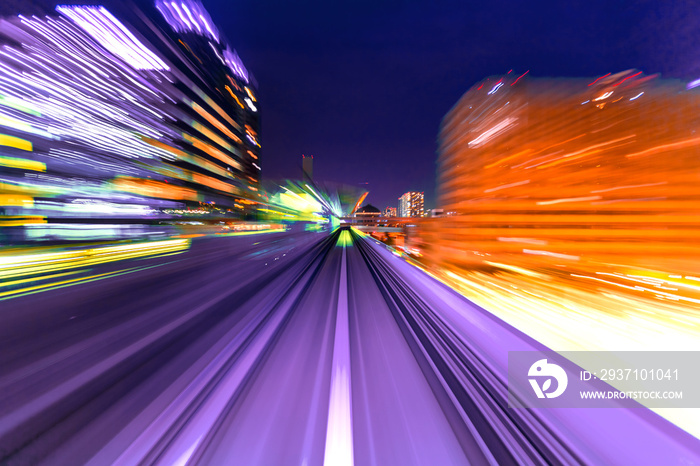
(355, 99)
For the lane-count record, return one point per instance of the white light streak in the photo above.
(110, 33)
(551, 254)
(633, 186)
(492, 132)
(495, 88)
(570, 199)
(250, 104)
(603, 97)
(339, 446)
(519, 183)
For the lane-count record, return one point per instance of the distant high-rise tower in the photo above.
(307, 166)
(411, 204)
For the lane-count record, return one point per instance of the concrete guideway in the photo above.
(285, 349)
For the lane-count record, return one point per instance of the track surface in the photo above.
(276, 349)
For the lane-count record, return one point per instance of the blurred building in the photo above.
(226, 88)
(411, 204)
(562, 171)
(126, 115)
(367, 215)
(390, 212)
(307, 166)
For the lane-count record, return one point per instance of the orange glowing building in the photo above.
(569, 172)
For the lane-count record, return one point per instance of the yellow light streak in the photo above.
(76, 281)
(211, 119)
(12, 266)
(23, 164)
(16, 200)
(250, 94)
(36, 279)
(17, 143)
(345, 239)
(19, 220)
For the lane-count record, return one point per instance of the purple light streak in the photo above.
(188, 16)
(234, 62)
(111, 34)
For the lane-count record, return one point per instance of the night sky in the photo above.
(363, 85)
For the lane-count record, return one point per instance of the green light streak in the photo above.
(345, 239)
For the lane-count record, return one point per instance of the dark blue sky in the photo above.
(363, 85)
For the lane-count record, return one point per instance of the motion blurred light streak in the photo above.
(111, 34)
(457, 377)
(20, 265)
(489, 339)
(15, 142)
(345, 239)
(591, 252)
(246, 356)
(339, 443)
(258, 232)
(199, 19)
(249, 341)
(575, 224)
(22, 164)
(65, 283)
(100, 118)
(599, 198)
(6, 284)
(236, 65)
(94, 371)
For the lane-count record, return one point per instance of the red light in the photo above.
(518, 79)
(599, 79)
(628, 77)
